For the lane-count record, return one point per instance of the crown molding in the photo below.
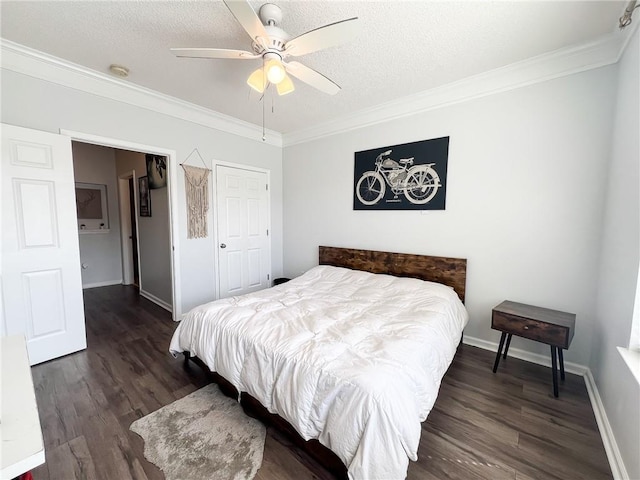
(27, 61)
(604, 51)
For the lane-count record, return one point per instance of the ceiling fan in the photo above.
(273, 45)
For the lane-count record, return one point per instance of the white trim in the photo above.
(631, 357)
(172, 176)
(239, 166)
(634, 336)
(3, 317)
(616, 463)
(156, 300)
(27, 61)
(544, 360)
(629, 32)
(94, 231)
(108, 283)
(567, 61)
(606, 433)
(124, 200)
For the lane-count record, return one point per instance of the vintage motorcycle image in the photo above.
(419, 183)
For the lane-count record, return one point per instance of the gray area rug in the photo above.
(204, 435)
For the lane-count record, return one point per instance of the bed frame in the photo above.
(448, 271)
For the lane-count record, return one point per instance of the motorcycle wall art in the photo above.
(410, 176)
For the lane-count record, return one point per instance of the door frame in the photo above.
(214, 202)
(125, 216)
(172, 186)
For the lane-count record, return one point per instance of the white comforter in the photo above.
(350, 358)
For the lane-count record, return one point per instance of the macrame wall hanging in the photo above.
(197, 191)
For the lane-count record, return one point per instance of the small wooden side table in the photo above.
(543, 325)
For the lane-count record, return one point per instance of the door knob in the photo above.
(223, 245)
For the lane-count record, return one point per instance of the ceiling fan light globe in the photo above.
(257, 80)
(275, 72)
(285, 86)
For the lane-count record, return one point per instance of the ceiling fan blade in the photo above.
(213, 53)
(247, 18)
(313, 78)
(323, 37)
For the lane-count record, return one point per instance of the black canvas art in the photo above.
(156, 171)
(410, 176)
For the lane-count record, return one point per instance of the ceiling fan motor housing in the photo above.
(272, 48)
(276, 41)
(270, 14)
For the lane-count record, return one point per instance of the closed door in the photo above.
(244, 250)
(41, 283)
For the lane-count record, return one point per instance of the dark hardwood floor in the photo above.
(484, 426)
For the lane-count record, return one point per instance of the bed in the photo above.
(348, 357)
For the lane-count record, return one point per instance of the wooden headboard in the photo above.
(448, 271)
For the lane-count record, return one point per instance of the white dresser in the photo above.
(22, 446)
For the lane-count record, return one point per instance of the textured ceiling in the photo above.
(404, 47)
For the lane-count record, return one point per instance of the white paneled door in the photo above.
(41, 284)
(244, 251)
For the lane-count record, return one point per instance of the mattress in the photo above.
(350, 358)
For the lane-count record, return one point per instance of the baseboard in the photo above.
(536, 358)
(618, 469)
(102, 284)
(156, 300)
(610, 446)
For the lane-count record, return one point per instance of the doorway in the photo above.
(171, 207)
(134, 247)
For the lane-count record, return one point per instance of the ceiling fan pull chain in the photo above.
(263, 99)
(264, 136)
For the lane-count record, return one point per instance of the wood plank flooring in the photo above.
(483, 426)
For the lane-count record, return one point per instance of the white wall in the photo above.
(34, 103)
(100, 253)
(155, 248)
(618, 277)
(526, 183)
(154, 236)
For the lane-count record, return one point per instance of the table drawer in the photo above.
(555, 335)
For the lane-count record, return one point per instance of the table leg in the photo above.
(506, 348)
(561, 360)
(495, 365)
(554, 367)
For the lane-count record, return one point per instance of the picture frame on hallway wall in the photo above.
(156, 171)
(91, 207)
(409, 176)
(145, 197)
